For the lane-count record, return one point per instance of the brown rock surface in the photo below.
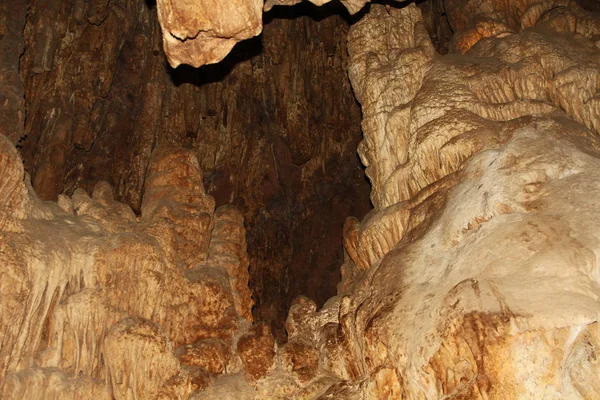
(204, 32)
(475, 276)
(212, 355)
(487, 154)
(106, 100)
(101, 296)
(301, 359)
(12, 115)
(257, 351)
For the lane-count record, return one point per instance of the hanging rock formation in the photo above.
(204, 32)
(475, 276)
(105, 98)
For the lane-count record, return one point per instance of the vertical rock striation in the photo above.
(475, 275)
(266, 126)
(204, 32)
(107, 298)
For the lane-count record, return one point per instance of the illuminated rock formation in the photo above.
(205, 31)
(107, 298)
(105, 98)
(475, 276)
(486, 284)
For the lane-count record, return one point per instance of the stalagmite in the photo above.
(90, 286)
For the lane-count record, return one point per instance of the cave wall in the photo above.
(275, 127)
(475, 276)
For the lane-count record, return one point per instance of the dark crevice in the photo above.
(275, 127)
(241, 52)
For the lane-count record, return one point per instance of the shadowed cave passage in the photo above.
(275, 127)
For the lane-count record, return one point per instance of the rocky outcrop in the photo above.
(204, 32)
(105, 98)
(475, 275)
(110, 300)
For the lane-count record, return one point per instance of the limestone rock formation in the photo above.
(353, 6)
(481, 252)
(475, 276)
(109, 299)
(204, 32)
(106, 98)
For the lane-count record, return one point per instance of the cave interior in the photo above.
(170, 231)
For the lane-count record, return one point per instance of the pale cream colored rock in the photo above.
(203, 32)
(71, 272)
(184, 206)
(486, 296)
(42, 384)
(476, 276)
(139, 359)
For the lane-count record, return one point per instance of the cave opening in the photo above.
(275, 127)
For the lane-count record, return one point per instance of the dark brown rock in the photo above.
(257, 351)
(274, 127)
(301, 359)
(12, 103)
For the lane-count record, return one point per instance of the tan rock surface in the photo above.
(106, 99)
(486, 296)
(203, 32)
(105, 298)
(475, 276)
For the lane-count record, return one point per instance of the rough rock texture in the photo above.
(107, 298)
(205, 31)
(104, 98)
(475, 276)
(11, 88)
(353, 6)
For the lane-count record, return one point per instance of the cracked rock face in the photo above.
(475, 276)
(204, 32)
